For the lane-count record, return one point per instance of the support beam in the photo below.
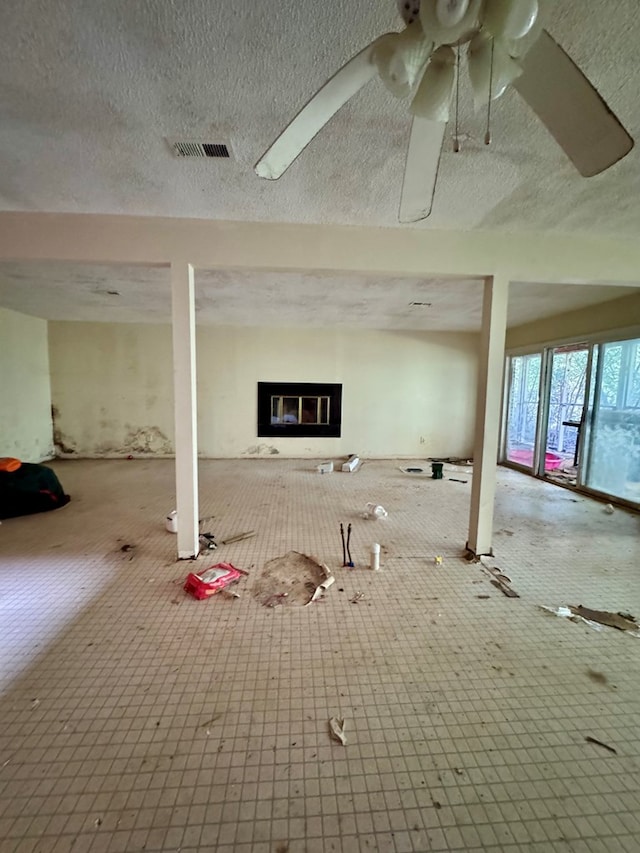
(488, 411)
(389, 252)
(185, 407)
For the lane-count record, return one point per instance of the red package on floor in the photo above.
(212, 580)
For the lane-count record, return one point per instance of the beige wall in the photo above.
(25, 396)
(404, 393)
(613, 315)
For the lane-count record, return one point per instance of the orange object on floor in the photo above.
(8, 463)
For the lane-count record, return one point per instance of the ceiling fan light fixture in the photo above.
(451, 12)
(510, 19)
(505, 68)
(433, 97)
(449, 33)
(401, 58)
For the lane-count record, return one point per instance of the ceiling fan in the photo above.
(504, 45)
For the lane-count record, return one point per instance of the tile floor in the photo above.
(134, 718)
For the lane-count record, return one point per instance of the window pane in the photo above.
(309, 410)
(614, 455)
(566, 406)
(523, 408)
(290, 410)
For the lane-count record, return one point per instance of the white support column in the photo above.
(185, 407)
(488, 411)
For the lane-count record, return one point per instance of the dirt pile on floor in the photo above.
(289, 579)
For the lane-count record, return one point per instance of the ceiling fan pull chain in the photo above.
(456, 140)
(487, 136)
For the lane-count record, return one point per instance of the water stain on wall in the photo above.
(63, 444)
(149, 440)
(261, 450)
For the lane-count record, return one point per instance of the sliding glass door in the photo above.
(572, 415)
(566, 395)
(613, 453)
(522, 409)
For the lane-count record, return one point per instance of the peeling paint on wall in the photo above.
(149, 440)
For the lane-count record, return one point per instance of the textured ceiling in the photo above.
(142, 295)
(90, 91)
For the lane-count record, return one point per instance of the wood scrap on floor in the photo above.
(498, 578)
(597, 619)
(597, 742)
(238, 537)
(620, 621)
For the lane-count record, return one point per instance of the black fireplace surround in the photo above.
(299, 409)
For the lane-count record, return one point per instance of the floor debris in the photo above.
(126, 548)
(374, 511)
(208, 542)
(276, 599)
(213, 719)
(229, 593)
(293, 576)
(597, 677)
(212, 580)
(356, 598)
(505, 588)
(350, 562)
(238, 537)
(498, 578)
(346, 552)
(621, 621)
(453, 480)
(609, 509)
(320, 590)
(336, 729)
(597, 742)
(597, 619)
(352, 464)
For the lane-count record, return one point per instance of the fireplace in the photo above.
(299, 409)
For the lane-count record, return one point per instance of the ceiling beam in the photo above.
(527, 257)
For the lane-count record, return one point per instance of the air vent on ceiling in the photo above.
(190, 148)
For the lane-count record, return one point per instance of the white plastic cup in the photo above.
(171, 522)
(375, 557)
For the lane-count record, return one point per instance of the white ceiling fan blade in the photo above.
(571, 108)
(335, 93)
(421, 169)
